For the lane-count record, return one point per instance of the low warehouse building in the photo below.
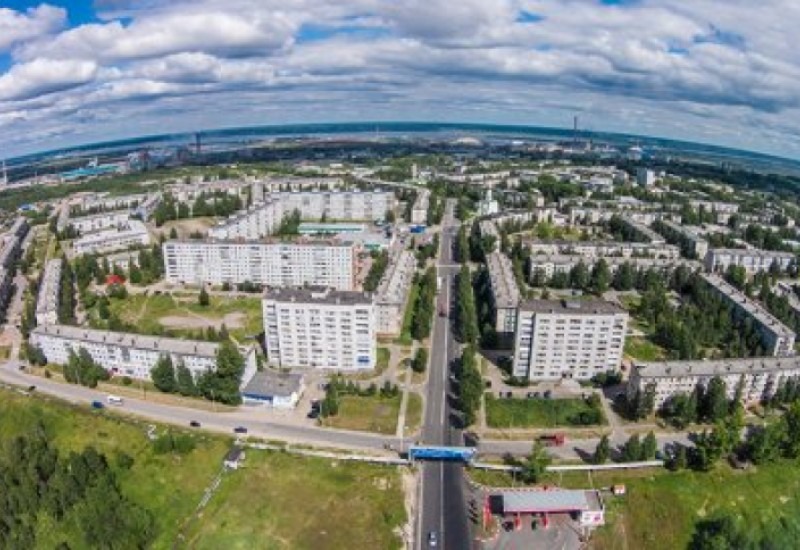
(274, 389)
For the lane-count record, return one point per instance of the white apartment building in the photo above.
(561, 263)
(265, 217)
(600, 249)
(392, 292)
(133, 355)
(267, 263)
(49, 292)
(645, 177)
(754, 260)
(133, 234)
(505, 292)
(99, 222)
(419, 210)
(760, 376)
(566, 339)
(690, 242)
(488, 228)
(642, 231)
(722, 210)
(320, 328)
(777, 339)
(10, 250)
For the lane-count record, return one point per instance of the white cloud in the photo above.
(16, 27)
(44, 76)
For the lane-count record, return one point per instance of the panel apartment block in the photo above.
(505, 292)
(49, 292)
(319, 328)
(392, 292)
(568, 339)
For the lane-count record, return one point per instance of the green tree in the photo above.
(601, 276)
(163, 374)
(649, 446)
(222, 383)
(185, 383)
(602, 452)
(203, 299)
(535, 465)
(420, 362)
(632, 450)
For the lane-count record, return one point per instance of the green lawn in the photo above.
(533, 413)
(382, 360)
(414, 411)
(408, 316)
(146, 312)
(367, 414)
(281, 501)
(643, 349)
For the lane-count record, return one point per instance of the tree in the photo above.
(203, 299)
(632, 450)
(420, 362)
(173, 233)
(163, 374)
(185, 383)
(601, 276)
(649, 446)
(222, 383)
(715, 403)
(579, 276)
(602, 452)
(330, 405)
(535, 465)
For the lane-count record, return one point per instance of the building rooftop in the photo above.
(721, 367)
(129, 340)
(268, 383)
(573, 307)
(504, 285)
(395, 283)
(753, 308)
(568, 259)
(49, 288)
(318, 295)
(752, 253)
(551, 500)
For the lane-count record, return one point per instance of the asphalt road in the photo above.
(442, 508)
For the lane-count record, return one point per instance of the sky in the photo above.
(725, 72)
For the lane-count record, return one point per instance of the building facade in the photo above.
(505, 292)
(753, 260)
(99, 222)
(133, 234)
(319, 328)
(49, 293)
(598, 249)
(563, 339)
(392, 292)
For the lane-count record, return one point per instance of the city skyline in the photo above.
(69, 72)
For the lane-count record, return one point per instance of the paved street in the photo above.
(442, 508)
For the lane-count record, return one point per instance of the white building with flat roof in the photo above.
(753, 260)
(598, 249)
(134, 355)
(49, 293)
(319, 328)
(562, 263)
(392, 292)
(419, 210)
(505, 292)
(99, 222)
(645, 177)
(776, 338)
(267, 263)
(568, 339)
(133, 234)
(692, 244)
(760, 376)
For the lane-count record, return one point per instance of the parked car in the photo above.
(240, 430)
(97, 405)
(194, 424)
(313, 414)
(548, 394)
(114, 400)
(433, 539)
(31, 388)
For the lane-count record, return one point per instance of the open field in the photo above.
(661, 508)
(275, 501)
(414, 412)
(533, 413)
(405, 338)
(181, 315)
(367, 414)
(643, 349)
(279, 501)
(186, 227)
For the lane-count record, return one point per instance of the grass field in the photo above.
(532, 413)
(147, 313)
(276, 501)
(366, 414)
(414, 411)
(405, 338)
(643, 349)
(279, 501)
(382, 360)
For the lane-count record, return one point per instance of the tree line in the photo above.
(216, 203)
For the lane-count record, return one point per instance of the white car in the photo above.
(114, 400)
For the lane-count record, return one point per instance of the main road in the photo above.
(442, 508)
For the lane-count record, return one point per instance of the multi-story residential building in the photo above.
(133, 234)
(561, 263)
(49, 292)
(10, 249)
(267, 263)
(642, 231)
(598, 249)
(489, 229)
(722, 210)
(645, 177)
(759, 376)
(692, 245)
(419, 210)
(776, 338)
(754, 260)
(505, 292)
(392, 292)
(121, 260)
(131, 355)
(568, 339)
(319, 328)
(265, 217)
(99, 222)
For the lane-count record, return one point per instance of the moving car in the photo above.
(433, 539)
(97, 405)
(194, 424)
(114, 400)
(240, 430)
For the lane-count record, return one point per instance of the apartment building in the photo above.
(49, 293)
(754, 260)
(722, 210)
(568, 339)
(776, 338)
(392, 292)
(505, 292)
(599, 249)
(561, 263)
(267, 263)
(642, 231)
(692, 244)
(133, 234)
(319, 328)
(488, 228)
(10, 250)
(759, 376)
(133, 355)
(100, 222)
(419, 210)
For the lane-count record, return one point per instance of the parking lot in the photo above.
(561, 533)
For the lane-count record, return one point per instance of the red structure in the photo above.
(113, 279)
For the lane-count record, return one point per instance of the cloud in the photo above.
(44, 76)
(16, 27)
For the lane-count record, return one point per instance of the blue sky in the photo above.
(715, 71)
